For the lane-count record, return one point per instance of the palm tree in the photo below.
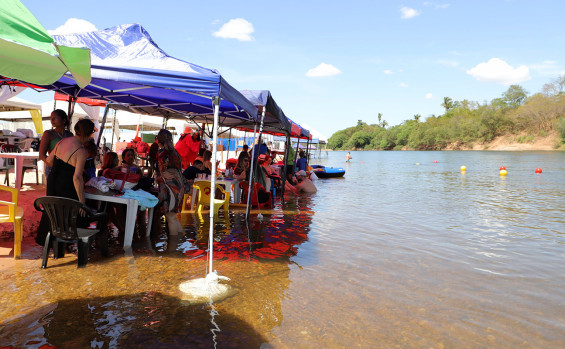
(417, 117)
(380, 117)
(447, 103)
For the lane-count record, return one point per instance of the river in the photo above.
(404, 251)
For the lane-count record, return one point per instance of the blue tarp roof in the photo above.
(129, 69)
(275, 121)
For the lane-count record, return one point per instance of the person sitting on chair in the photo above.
(110, 161)
(91, 160)
(193, 170)
(128, 161)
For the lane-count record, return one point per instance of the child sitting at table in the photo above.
(92, 158)
(192, 171)
(110, 161)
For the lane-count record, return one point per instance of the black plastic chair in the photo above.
(63, 214)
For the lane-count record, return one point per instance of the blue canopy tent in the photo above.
(132, 73)
(273, 121)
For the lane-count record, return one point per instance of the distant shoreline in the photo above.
(503, 143)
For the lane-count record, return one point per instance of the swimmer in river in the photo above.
(348, 157)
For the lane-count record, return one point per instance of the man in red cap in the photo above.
(140, 146)
(188, 146)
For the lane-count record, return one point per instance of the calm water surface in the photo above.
(401, 252)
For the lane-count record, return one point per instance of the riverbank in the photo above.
(522, 142)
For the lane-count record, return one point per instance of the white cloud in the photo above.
(403, 84)
(435, 5)
(429, 95)
(388, 72)
(497, 70)
(323, 70)
(238, 29)
(407, 12)
(548, 68)
(74, 25)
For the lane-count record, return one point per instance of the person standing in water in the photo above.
(348, 157)
(61, 123)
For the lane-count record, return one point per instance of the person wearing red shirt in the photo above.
(188, 146)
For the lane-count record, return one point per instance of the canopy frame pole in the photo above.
(229, 145)
(252, 173)
(307, 153)
(247, 206)
(285, 159)
(102, 126)
(113, 127)
(213, 184)
(71, 107)
(297, 150)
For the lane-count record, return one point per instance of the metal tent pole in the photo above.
(285, 159)
(229, 145)
(102, 126)
(254, 165)
(297, 151)
(248, 207)
(213, 183)
(307, 153)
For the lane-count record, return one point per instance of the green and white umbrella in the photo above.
(28, 52)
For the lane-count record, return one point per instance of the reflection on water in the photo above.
(401, 252)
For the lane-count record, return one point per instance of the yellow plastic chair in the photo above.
(11, 212)
(204, 197)
(184, 209)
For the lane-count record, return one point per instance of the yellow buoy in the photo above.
(463, 168)
(503, 172)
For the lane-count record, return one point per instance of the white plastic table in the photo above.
(131, 212)
(19, 157)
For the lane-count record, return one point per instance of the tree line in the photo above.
(465, 123)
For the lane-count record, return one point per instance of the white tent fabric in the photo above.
(7, 92)
(94, 113)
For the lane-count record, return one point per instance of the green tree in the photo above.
(447, 104)
(417, 117)
(515, 96)
(337, 140)
(359, 139)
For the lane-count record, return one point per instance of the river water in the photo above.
(402, 252)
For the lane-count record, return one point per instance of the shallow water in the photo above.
(401, 252)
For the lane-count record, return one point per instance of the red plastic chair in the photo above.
(254, 200)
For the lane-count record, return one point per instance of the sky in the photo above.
(331, 63)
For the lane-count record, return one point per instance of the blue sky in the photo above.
(331, 63)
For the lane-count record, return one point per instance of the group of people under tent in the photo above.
(75, 158)
(199, 162)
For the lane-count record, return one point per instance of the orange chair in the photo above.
(254, 200)
(11, 212)
(204, 191)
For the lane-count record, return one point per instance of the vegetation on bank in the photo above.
(466, 123)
